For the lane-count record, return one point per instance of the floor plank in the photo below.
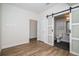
(35, 48)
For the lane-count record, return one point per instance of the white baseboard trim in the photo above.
(38, 39)
(74, 53)
(8, 46)
(48, 43)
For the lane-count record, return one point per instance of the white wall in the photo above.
(15, 25)
(43, 21)
(0, 27)
(33, 29)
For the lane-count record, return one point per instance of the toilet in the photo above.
(59, 37)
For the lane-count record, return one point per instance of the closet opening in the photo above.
(62, 31)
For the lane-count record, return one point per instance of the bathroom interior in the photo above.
(61, 31)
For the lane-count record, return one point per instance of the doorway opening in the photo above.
(62, 31)
(33, 31)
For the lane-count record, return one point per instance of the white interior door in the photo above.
(74, 47)
(33, 29)
(51, 30)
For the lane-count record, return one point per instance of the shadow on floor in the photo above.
(63, 45)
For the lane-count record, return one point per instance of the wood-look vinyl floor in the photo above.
(35, 48)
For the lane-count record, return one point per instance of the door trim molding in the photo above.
(0, 52)
(74, 53)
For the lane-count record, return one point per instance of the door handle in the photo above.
(69, 31)
(52, 30)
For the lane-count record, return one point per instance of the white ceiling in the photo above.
(37, 7)
(71, 4)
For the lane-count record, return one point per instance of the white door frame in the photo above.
(69, 26)
(71, 31)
